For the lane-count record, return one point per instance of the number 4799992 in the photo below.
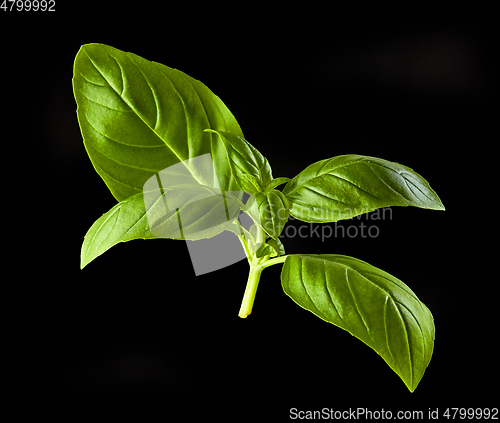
(28, 6)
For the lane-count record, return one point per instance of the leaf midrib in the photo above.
(320, 174)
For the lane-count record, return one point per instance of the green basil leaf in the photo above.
(372, 305)
(124, 222)
(272, 247)
(249, 183)
(250, 168)
(346, 186)
(276, 182)
(273, 209)
(277, 246)
(138, 117)
(185, 212)
(264, 250)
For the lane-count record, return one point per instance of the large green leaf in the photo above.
(372, 305)
(185, 212)
(346, 186)
(248, 166)
(138, 117)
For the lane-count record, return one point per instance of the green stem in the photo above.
(250, 290)
(256, 268)
(273, 261)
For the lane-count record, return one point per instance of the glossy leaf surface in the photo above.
(138, 117)
(248, 166)
(273, 210)
(346, 186)
(276, 182)
(372, 305)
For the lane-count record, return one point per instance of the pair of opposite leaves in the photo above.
(139, 117)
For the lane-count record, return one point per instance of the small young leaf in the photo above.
(272, 247)
(369, 303)
(276, 182)
(264, 250)
(250, 183)
(277, 246)
(346, 186)
(273, 209)
(250, 169)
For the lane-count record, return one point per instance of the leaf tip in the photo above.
(439, 207)
(412, 388)
(83, 261)
(439, 204)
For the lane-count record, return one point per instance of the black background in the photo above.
(137, 325)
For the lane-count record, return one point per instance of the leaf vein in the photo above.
(331, 295)
(419, 328)
(351, 183)
(143, 214)
(305, 289)
(386, 330)
(411, 294)
(407, 343)
(157, 107)
(129, 105)
(104, 105)
(116, 180)
(91, 82)
(185, 116)
(323, 195)
(385, 183)
(112, 159)
(356, 304)
(121, 75)
(408, 181)
(96, 248)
